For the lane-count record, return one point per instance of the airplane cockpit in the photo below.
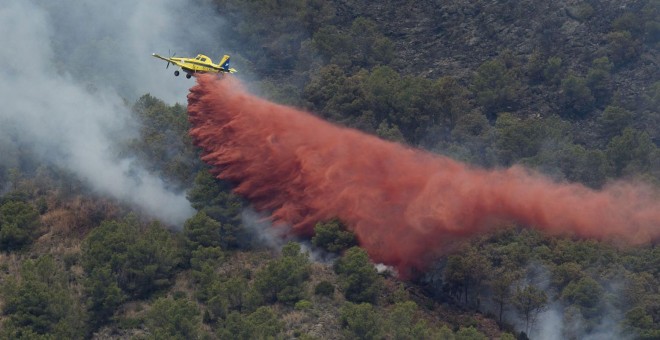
(202, 58)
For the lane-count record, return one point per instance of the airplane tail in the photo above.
(224, 64)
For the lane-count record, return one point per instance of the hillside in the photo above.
(455, 39)
(112, 227)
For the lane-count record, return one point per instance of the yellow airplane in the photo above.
(199, 64)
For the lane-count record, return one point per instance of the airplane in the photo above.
(199, 64)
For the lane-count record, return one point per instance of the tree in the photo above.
(103, 295)
(566, 273)
(164, 146)
(523, 139)
(150, 262)
(234, 290)
(283, 279)
(261, 324)
(495, 87)
(454, 276)
(586, 294)
(360, 321)
(324, 288)
(500, 284)
(448, 101)
(402, 324)
(640, 321)
(630, 152)
(414, 105)
(469, 333)
(529, 302)
(622, 47)
(404, 101)
(332, 236)
(472, 137)
(18, 224)
(630, 22)
(598, 79)
(357, 276)
(390, 132)
(444, 333)
(202, 231)
(329, 81)
(203, 262)
(552, 71)
(40, 305)
(576, 97)
(214, 198)
(142, 260)
(534, 67)
(613, 121)
(363, 45)
(563, 159)
(465, 273)
(517, 138)
(173, 319)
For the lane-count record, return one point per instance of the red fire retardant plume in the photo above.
(405, 205)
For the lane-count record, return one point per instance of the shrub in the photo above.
(324, 288)
(303, 305)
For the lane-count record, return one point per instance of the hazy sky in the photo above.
(69, 70)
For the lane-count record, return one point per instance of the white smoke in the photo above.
(276, 237)
(561, 321)
(68, 70)
(261, 227)
(109, 43)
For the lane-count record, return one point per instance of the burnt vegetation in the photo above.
(570, 89)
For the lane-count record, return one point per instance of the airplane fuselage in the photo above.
(199, 64)
(194, 66)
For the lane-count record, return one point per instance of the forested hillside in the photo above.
(570, 89)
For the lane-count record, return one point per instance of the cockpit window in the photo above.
(203, 59)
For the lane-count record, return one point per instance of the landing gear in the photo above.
(176, 73)
(188, 75)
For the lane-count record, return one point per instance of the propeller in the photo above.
(171, 56)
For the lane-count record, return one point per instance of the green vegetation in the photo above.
(163, 145)
(495, 87)
(261, 324)
(126, 260)
(282, 280)
(333, 237)
(173, 319)
(361, 321)
(18, 224)
(215, 201)
(509, 269)
(572, 92)
(39, 304)
(357, 276)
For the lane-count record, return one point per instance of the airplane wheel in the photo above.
(176, 73)
(188, 75)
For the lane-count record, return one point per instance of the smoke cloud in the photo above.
(68, 70)
(406, 206)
